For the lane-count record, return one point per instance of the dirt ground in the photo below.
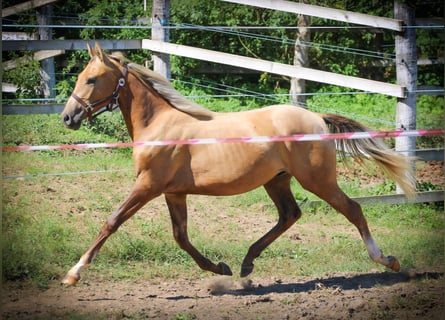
(432, 171)
(410, 294)
(405, 295)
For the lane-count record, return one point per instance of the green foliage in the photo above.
(184, 316)
(117, 13)
(378, 111)
(75, 62)
(430, 115)
(375, 110)
(201, 91)
(217, 13)
(430, 111)
(427, 186)
(26, 76)
(100, 13)
(45, 129)
(64, 88)
(111, 124)
(328, 51)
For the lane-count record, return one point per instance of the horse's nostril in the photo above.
(67, 119)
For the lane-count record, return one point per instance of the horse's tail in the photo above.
(396, 166)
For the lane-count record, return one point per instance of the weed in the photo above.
(294, 299)
(382, 315)
(428, 186)
(184, 316)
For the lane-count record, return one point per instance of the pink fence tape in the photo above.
(296, 137)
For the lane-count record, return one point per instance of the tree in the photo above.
(301, 58)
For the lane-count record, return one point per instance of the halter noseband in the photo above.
(113, 98)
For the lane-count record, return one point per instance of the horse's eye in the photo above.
(91, 81)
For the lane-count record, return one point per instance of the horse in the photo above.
(154, 111)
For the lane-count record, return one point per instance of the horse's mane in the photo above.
(164, 88)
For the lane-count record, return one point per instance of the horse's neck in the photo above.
(140, 106)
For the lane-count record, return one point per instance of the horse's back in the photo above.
(288, 120)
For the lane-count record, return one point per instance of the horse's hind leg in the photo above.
(178, 213)
(353, 212)
(279, 191)
(322, 182)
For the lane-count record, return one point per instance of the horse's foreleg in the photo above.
(178, 213)
(137, 198)
(279, 191)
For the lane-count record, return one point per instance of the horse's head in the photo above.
(97, 86)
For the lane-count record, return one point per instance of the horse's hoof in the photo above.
(394, 264)
(70, 280)
(224, 269)
(246, 270)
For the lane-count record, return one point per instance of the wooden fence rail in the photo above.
(421, 197)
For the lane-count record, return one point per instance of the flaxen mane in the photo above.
(164, 88)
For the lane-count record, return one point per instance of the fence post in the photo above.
(406, 65)
(160, 19)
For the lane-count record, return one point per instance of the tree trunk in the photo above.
(47, 72)
(301, 58)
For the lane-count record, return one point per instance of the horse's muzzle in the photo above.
(73, 120)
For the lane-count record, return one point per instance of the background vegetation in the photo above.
(345, 49)
(338, 47)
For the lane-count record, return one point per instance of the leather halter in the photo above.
(112, 99)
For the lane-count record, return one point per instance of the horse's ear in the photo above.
(91, 51)
(103, 57)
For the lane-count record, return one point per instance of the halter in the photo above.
(113, 98)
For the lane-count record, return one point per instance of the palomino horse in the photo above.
(154, 110)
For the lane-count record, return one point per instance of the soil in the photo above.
(406, 295)
(431, 172)
(410, 294)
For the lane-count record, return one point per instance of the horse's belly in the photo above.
(234, 169)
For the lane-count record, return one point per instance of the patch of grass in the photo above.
(42, 129)
(184, 316)
(35, 248)
(77, 163)
(81, 316)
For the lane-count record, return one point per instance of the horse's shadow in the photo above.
(361, 281)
